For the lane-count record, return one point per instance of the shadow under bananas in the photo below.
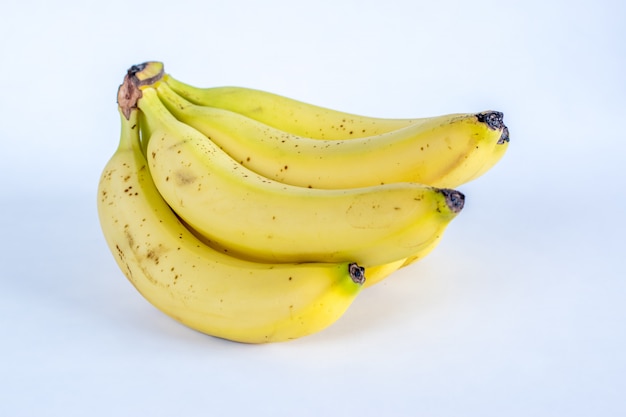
(407, 295)
(60, 280)
(71, 286)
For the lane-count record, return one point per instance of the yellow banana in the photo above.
(287, 114)
(255, 217)
(202, 288)
(375, 274)
(211, 114)
(445, 151)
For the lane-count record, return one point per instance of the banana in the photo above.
(375, 274)
(287, 114)
(445, 151)
(204, 289)
(257, 218)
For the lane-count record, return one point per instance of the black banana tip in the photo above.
(454, 199)
(495, 120)
(504, 137)
(357, 273)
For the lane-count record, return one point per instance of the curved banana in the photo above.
(445, 151)
(255, 217)
(375, 274)
(287, 114)
(202, 288)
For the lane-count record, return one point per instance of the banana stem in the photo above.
(129, 138)
(137, 76)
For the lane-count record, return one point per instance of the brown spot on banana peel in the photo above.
(120, 254)
(184, 177)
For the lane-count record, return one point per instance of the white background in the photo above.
(519, 312)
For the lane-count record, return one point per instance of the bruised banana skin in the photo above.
(445, 151)
(252, 216)
(204, 289)
(287, 114)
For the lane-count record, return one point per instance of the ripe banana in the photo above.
(202, 288)
(287, 114)
(375, 274)
(445, 151)
(257, 218)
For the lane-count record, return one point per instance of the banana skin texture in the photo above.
(445, 151)
(257, 218)
(269, 221)
(202, 288)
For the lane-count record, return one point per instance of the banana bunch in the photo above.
(257, 218)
